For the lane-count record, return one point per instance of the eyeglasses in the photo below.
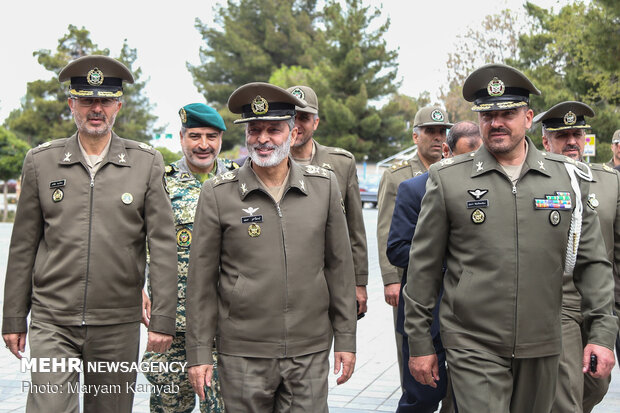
(87, 102)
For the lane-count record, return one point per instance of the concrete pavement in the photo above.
(373, 387)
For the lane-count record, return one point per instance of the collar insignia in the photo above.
(541, 165)
(479, 166)
(244, 188)
(67, 157)
(121, 158)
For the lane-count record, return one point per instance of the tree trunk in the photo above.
(5, 213)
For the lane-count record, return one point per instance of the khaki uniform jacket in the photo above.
(386, 199)
(342, 164)
(505, 260)
(78, 249)
(604, 198)
(270, 279)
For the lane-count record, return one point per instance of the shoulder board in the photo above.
(226, 177)
(558, 158)
(171, 169)
(602, 167)
(49, 145)
(313, 170)
(129, 144)
(455, 160)
(339, 151)
(399, 165)
(230, 165)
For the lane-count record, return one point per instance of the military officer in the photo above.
(201, 134)
(615, 149)
(271, 272)
(77, 257)
(564, 132)
(510, 220)
(429, 133)
(307, 151)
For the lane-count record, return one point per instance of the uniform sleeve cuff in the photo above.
(361, 279)
(421, 347)
(344, 342)
(162, 324)
(391, 278)
(12, 325)
(199, 355)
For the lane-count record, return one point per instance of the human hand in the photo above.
(605, 360)
(146, 309)
(158, 342)
(425, 369)
(392, 293)
(199, 377)
(16, 343)
(362, 298)
(347, 360)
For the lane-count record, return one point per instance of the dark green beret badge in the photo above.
(184, 237)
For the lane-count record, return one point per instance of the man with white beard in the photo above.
(271, 272)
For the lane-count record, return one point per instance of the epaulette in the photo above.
(49, 145)
(339, 151)
(230, 165)
(602, 167)
(226, 177)
(130, 144)
(455, 160)
(171, 169)
(399, 165)
(558, 158)
(313, 170)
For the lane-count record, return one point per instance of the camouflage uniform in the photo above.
(184, 190)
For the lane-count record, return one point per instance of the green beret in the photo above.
(199, 115)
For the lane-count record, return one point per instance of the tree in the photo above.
(495, 41)
(250, 39)
(562, 55)
(168, 155)
(44, 114)
(12, 153)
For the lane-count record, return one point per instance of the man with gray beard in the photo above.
(271, 272)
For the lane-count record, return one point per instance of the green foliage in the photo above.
(12, 153)
(44, 113)
(336, 52)
(168, 155)
(563, 55)
(250, 39)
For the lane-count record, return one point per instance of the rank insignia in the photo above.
(121, 158)
(94, 77)
(57, 195)
(592, 201)
(44, 145)
(183, 115)
(184, 237)
(570, 118)
(496, 87)
(327, 166)
(244, 188)
(607, 168)
(478, 216)
(145, 146)
(58, 184)
(554, 218)
(541, 165)
(437, 116)
(299, 93)
(168, 169)
(477, 193)
(479, 167)
(259, 105)
(67, 157)
(447, 161)
(254, 230)
(185, 175)
(227, 175)
(127, 198)
(311, 169)
(561, 200)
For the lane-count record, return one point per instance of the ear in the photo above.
(445, 149)
(415, 138)
(545, 143)
(70, 103)
(316, 122)
(293, 135)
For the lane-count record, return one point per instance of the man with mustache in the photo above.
(564, 129)
(88, 205)
(271, 272)
(429, 133)
(201, 133)
(615, 149)
(307, 151)
(509, 220)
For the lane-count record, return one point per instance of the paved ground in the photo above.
(373, 387)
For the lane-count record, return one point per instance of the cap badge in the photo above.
(570, 118)
(496, 87)
(437, 116)
(94, 77)
(183, 115)
(299, 93)
(260, 105)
